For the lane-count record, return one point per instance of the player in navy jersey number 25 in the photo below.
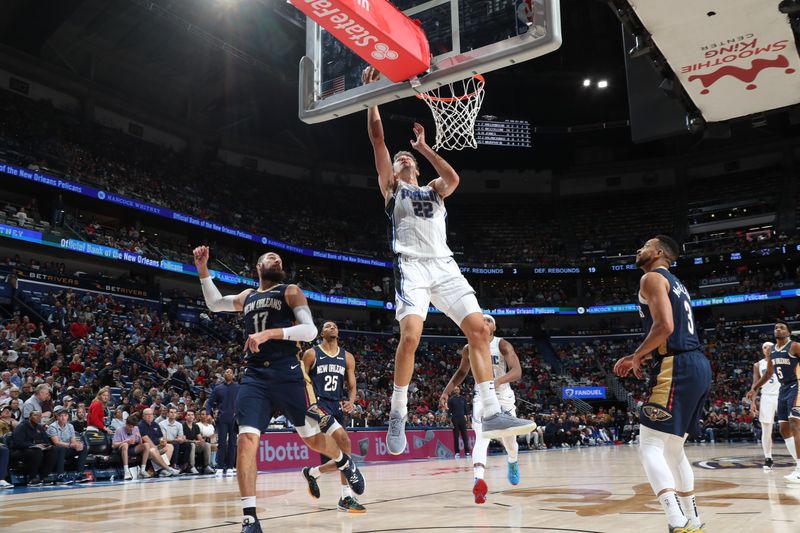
(332, 370)
(276, 319)
(679, 382)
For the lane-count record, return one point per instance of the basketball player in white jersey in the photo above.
(425, 273)
(769, 403)
(506, 370)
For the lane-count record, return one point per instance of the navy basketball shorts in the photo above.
(266, 390)
(788, 406)
(679, 387)
(333, 409)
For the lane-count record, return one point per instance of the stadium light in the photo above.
(602, 84)
(587, 82)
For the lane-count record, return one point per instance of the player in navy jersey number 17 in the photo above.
(425, 272)
(276, 318)
(679, 382)
(784, 361)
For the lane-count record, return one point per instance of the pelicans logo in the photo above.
(655, 413)
(743, 461)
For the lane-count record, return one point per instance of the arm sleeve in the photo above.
(214, 299)
(304, 330)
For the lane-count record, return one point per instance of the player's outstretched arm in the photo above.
(309, 358)
(383, 160)
(757, 384)
(352, 387)
(655, 289)
(794, 349)
(513, 368)
(448, 178)
(458, 377)
(214, 299)
(304, 329)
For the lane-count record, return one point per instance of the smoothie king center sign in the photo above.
(735, 60)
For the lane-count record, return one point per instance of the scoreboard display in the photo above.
(491, 131)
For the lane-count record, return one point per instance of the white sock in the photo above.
(400, 399)
(489, 399)
(512, 448)
(689, 506)
(790, 445)
(346, 492)
(248, 501)
(314, 472)
(672, 508)
(766, 440)
(478, 471)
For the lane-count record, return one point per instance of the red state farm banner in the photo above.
(375, 30)
(287, 450)
(734, 58)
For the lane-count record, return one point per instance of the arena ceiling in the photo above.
(229, 68)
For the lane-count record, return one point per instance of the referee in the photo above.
(458, 415)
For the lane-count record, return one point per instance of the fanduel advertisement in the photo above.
(583, 393)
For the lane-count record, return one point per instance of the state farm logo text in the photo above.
(349, 29)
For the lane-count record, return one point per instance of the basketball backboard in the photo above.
(466, 37)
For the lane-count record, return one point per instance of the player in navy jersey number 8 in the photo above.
(679, 383)
(425, 273)
(784, 361)
(276, 318)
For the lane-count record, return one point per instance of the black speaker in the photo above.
(654, 110)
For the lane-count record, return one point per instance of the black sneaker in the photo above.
(35, 482)
(350, 505)
(354, 477)
(313, 487)
(768, 463)
(251, 525)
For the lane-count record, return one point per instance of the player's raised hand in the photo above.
(419, 132)
(370, 75)
(200, 256)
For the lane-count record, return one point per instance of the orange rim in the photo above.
(478, 77)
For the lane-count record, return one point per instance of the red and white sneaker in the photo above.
(479, 490)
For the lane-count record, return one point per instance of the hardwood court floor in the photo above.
(577, 490)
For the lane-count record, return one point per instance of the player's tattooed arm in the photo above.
(514, 369)
(458, 378)
(751, 394)
(309, 358)
(350, 373)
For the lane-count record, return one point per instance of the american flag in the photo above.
(334, 86)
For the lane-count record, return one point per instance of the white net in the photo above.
(455, 107)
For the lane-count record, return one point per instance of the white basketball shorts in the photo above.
(438, 281)
(767, 409)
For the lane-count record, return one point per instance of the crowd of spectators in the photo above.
(124, 367)
(36, 135)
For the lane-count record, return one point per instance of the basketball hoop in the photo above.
(454, 108)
